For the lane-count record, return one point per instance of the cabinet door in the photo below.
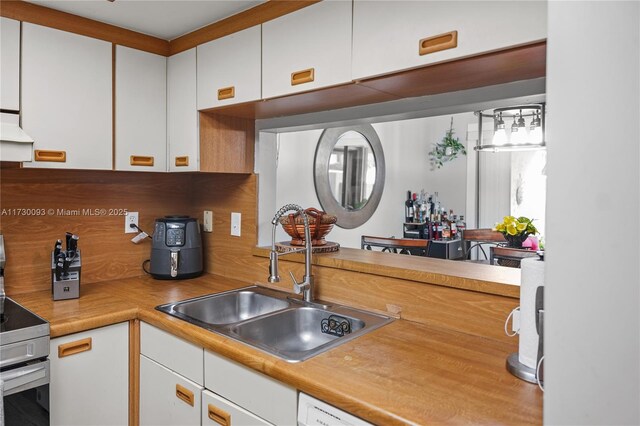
(307, 49)
(229, 69)
(90, 377)
(263, 396)
(217, 411)
(141, 110)
(182, 113)
(66, 98)
(166, 398)
(10, 64)
(387, 35)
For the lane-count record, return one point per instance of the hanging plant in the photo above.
(446, 150)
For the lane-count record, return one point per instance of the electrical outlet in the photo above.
(129, 219)
(236, 219)
(208, 221)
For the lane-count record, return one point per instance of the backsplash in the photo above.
(38, 206)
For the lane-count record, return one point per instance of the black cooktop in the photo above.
(17, 323)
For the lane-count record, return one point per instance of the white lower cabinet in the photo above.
(263, 396)
(167, 398)
(90, 377)
(217, 411)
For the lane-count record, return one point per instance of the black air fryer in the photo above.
(176, 251)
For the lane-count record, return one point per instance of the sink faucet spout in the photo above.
(306, 285)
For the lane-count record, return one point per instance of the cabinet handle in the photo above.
(57, 156)
(219, 416)
(73, 348)
(139, 160)
(226, 93)
(301, 77)
(182, 161)
(184, 394)
(437, 43)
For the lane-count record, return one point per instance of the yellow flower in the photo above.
(521, 226)
(508, 219)
(500, 227)
(511, 229)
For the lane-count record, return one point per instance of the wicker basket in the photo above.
(320, 224)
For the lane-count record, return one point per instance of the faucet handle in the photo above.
(297, 288)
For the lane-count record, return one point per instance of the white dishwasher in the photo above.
(313, 412)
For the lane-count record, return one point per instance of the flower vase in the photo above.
(515, 241)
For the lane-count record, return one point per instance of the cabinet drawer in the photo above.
(229, 69)
(173, 352)
(387, 35)
(217, 411)
(166, 398)
(257, 393)
(307, 49)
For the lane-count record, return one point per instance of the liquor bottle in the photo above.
(416, 207)
(461, 225)
(454, 226)
(408, 208)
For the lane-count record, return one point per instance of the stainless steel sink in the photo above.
(226, 308)
(275, 322)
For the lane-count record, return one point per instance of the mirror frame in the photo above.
(347, 219)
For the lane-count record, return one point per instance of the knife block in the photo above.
(68, 286)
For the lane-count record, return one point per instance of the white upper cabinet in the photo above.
(307, 49)
(390, 36)
(182, 113)
(9, 64)
(66, 98)
(229, 69)
(141, 110)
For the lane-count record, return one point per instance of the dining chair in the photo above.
(412, 246)
(472, 238)
(508, 256)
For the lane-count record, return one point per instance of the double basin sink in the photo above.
(275, 322)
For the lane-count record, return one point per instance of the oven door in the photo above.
(26, 393)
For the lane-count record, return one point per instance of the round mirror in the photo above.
(349, 173)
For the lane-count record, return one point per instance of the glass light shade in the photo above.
(519, 137)
(535, 135)
(499, 137)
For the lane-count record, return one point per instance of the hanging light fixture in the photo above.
(520, 138)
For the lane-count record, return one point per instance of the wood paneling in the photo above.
(254, 16)
(29, 12)
(520, 63)
(71, 201)
(226, 144)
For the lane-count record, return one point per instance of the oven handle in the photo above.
(26, 377)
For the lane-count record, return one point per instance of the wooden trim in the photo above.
(185, 395)
(141, 160)
(437, 43)
(113, 106)
(301, 77)
(255, 16)
(226, 93)
(218, 415)
(35, 14)
(134, 372)
(75, 347)
(182, 161)
(51, 156)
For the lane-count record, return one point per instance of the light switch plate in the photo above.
(208, 221)
(236, 219)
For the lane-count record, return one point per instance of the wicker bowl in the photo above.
(320, 224)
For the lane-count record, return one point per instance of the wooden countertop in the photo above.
(401, 373)
(472, 276)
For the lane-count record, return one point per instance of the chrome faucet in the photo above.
(306, 286)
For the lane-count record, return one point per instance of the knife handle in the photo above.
(68, 239)
(57, 249)
(58, 271)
